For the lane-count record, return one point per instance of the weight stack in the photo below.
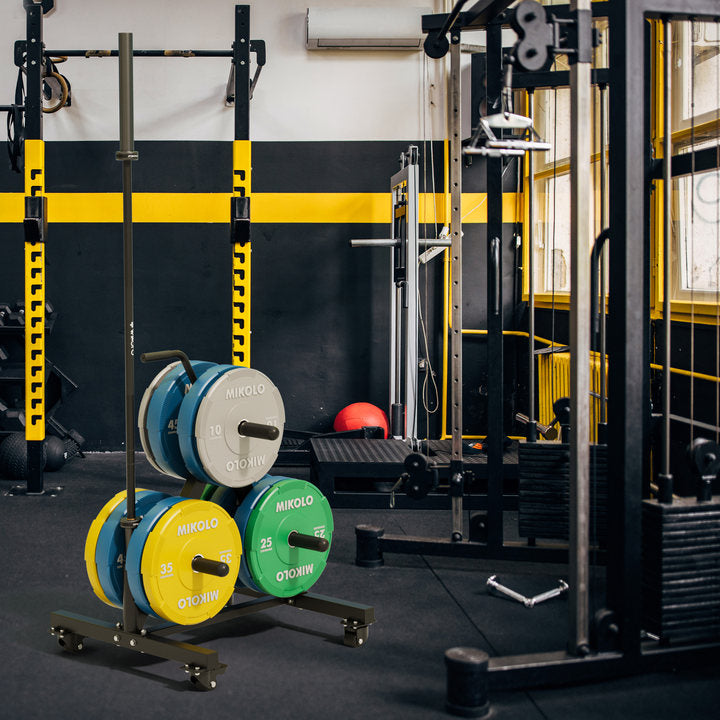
(681, 569)
(544, 491)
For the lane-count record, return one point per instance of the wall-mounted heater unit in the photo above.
(365, 28)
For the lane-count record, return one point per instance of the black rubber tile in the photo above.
(282, 663)
(684, 694)
(285, 662)
(508, 626)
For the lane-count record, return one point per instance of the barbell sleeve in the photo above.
(308, 542)
(210, 567)
(258, 430)
(547, 431)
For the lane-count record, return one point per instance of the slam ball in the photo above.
(359, 415)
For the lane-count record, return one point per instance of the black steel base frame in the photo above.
(372, 543)
(200, 663)
(560, 668)
(16, 490)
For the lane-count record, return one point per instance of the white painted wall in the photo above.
(302, 95)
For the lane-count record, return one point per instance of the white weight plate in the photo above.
(229, 458)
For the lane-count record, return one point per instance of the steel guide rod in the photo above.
(665, 480)
(603, 259)
(411, 300)
(404, 298)
(456, 464)
(395, 366)
(580, 241)
(530, 237)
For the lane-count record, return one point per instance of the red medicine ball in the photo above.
(359, 415)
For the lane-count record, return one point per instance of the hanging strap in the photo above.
(16, 127)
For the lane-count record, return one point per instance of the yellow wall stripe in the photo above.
(266, 208)
(88, 207)
(12, 207)
(322, 207)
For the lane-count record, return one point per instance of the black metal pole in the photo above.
(33, 96)
(241, 192)
(627, 324)
(126, 154)
(603, 265)
(34, 256)
(495, 410)
(531, 430)
(580, 236)
(457, 485)
(241, 61)
(665, 479)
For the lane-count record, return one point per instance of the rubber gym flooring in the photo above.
(285, 662)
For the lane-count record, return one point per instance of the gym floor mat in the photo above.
(288, 664)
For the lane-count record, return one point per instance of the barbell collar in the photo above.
(210, 567)
(258, 430)
(308, 542)
(122, 154)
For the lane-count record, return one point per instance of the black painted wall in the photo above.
(319, 308)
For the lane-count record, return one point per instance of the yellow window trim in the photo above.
(701, 311)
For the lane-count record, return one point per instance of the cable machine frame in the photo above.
(372, 541)
(618, 647)
(623, 651)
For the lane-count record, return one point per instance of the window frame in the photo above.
(560, 300)
(686, 305)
